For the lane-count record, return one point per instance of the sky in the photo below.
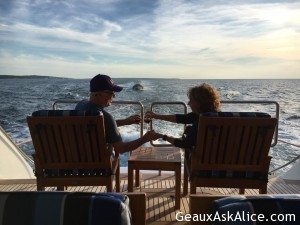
(151, 38)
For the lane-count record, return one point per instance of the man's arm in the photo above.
(135, 119)
(121, 147)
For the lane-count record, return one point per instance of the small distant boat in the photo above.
(138, 87)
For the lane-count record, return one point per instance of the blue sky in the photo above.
(160, 39)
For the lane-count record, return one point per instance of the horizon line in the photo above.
(160, 78)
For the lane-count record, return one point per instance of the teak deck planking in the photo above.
(160, 205)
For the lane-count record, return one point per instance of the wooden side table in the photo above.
(156, 158)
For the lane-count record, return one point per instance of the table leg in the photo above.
(187, 169)
(130, 178)
(177, 186)
(185, 180)
(137, 178)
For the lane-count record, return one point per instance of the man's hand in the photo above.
(135, 119)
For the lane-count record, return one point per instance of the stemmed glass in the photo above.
(147, 120)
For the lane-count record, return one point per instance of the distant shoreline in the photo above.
(25, 76)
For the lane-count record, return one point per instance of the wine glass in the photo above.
(147, 120)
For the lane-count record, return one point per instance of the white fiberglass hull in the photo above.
(12, 163)
(292, 176)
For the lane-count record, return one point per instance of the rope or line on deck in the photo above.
(296, 145)
(24, 142)
(288, 163)
(293, 160)
(25, 156)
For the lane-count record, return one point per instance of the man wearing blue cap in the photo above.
(102, 92)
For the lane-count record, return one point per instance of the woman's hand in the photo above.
(150, 115)
(151, 136)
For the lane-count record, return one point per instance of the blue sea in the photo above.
(20, 97)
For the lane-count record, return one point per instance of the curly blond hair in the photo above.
(207, 97)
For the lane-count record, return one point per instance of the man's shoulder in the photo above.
(81, 105)
(86, 105)
(107, 114)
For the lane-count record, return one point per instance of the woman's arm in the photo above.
(151, 115)
(177, 142)
(166, 138)
(175, 118)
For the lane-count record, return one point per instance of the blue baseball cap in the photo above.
(102, 82)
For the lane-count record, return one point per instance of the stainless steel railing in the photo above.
(54, 106)
(166, 103)
(275, 139)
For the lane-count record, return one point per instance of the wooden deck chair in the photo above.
(232, 151)
(70, 150)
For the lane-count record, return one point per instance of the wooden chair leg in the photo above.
(193, 188)
(263, 190)
(185, 184)
(40, 188)
(185, 179)
(60, 188)
(186, 172)
(177, 187)
(109, 186)
(137, 178)
(242, 191)
(118, 179)
(130, 179)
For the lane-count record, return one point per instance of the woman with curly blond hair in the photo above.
(202, 98)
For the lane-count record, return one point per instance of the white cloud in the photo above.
(179, 38)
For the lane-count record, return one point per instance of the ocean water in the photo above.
(20, 97)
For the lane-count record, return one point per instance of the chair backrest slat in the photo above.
(257, 146)
(232, 142)
(53, 144)
(72, 141)
(244, 145)
(216, 134)
(95, 144)
(65, 140)
(80, 143)
(250, 145)
(229, 150)
(87, 142)
(46, 151)
(238, 140)
(59, 141)
(220, 157)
